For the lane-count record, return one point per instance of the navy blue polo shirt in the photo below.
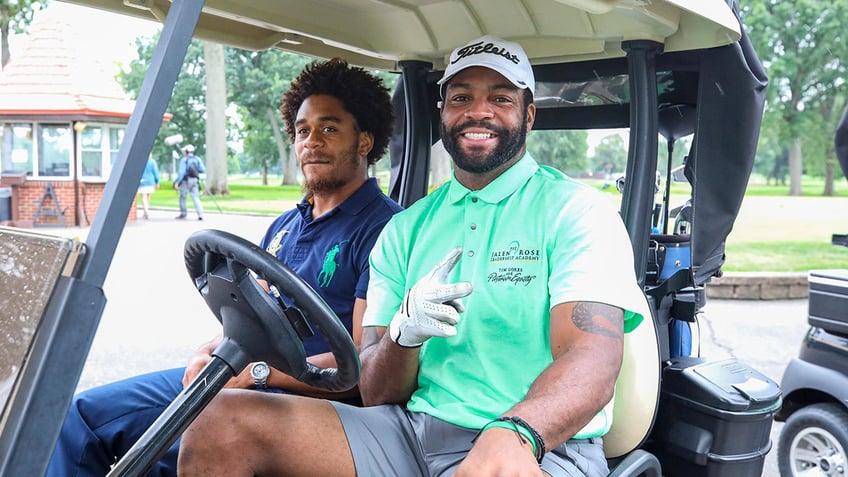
(331, 252)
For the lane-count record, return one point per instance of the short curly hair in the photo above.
(363, 95)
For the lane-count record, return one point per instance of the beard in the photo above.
(343, 171)
(510, 142)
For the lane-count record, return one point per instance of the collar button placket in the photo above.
(470, 239)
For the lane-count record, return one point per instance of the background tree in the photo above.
(440, 162)
(216, 119)
(187, 105)
(261, 151)
(258, 80)
(563, 150)
(830, 111)
(440, 165)
(15, 16)
(802, 44)
(772, 160)
(610, 150)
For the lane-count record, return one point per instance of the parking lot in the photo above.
(154, 318)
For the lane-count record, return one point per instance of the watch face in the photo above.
(260, 371)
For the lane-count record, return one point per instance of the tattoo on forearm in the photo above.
(598, 319)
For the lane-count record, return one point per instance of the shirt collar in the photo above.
(353, 205)
(503, 185)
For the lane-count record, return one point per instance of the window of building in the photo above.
(91, 154)
(45, 150)
(55, 142)
(116, 137)
(99, 144)
(16, 147)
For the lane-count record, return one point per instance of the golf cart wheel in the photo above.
(814, 441)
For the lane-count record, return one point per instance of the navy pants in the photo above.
(104, 422)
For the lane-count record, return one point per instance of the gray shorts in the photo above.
(389, 440)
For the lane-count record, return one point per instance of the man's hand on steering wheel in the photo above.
(200, 359)
(203, 356)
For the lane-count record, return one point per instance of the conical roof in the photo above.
(57, 72)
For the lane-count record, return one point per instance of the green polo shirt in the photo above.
(531, 239)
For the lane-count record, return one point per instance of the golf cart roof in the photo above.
(380, 33)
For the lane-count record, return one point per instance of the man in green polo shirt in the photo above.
(501, 359)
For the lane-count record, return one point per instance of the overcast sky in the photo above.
(108, 35)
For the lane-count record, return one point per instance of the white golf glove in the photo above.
(431, 307)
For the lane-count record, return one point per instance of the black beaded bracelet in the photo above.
(539, 446)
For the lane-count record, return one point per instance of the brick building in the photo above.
(62, 120)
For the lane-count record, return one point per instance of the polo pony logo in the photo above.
(328, 270)
(276, 243)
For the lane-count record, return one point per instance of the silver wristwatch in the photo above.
(260, 371)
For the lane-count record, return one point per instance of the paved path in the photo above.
(154, 318)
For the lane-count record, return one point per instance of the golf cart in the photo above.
(814, 438)
(599, 64)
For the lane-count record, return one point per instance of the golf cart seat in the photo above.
(637, 395)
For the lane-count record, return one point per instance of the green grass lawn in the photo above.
(248, 197)
(776, 232)
(784, 256)
(810, 187)
(773, 232)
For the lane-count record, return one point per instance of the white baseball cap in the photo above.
(505, 57)
(189, 148)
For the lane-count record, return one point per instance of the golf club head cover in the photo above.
(431, 307)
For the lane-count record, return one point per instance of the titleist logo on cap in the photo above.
(489, 48)
(504, 57)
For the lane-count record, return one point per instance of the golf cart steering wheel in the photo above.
(259, 326)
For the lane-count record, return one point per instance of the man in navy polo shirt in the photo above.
(339, 118)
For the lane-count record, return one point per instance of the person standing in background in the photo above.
(188, 181)
(149, 183)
